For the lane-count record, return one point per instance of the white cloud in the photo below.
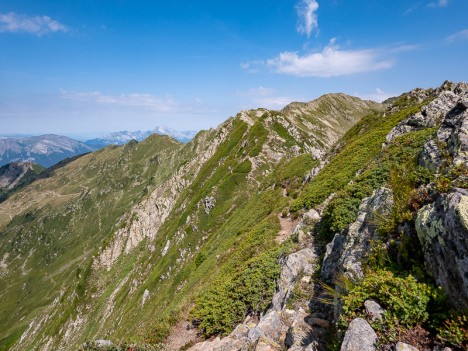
(379, 95)
(440, 3)
(412, 8)
(307, 13)
(461, 35)
(330, 62)
(39, 25)
(266, 97)
(148, 101)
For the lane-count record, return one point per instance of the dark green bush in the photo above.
(247, 291)
(405, 299)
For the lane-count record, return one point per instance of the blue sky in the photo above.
(88, 67)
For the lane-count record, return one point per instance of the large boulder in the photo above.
(442, 229)
(270, 327)
(373, 310)
(359, 337)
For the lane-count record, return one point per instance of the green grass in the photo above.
(361, 144)
(400, 156)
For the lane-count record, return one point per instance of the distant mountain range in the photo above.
(45, 150)
(49, 149)
(123, 137)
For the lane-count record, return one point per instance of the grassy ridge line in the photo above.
(361, 144)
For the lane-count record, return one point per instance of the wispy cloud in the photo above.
(38, 25)
(332, 61)
(307, 13)
(266, 97)
(461, 35)
(379, 95)
(412, 8)
(439, 3)
(148, 101)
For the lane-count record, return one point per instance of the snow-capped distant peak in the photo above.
(123, 137)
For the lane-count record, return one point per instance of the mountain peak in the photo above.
(123, 137)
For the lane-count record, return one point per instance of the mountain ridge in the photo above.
(123, 137)
(209, 233)
(229, 159)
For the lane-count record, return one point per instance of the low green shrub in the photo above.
(405, 299)
(455, 331)
(247, 291)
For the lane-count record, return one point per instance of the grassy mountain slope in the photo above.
(16, 175)
(51, 229)
(119, 243)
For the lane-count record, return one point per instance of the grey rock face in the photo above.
(303, 261)
(442, 226)
(429, 116)
(374, 310)
(359, 337)
(442, 229)
(270, 326)
(430, 157)
(300, 331)
(226, 344)
(454, 131)
(401, 346)
(348, 248)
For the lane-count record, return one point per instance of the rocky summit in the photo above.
(338, 224)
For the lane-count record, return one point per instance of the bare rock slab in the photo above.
(359, 337)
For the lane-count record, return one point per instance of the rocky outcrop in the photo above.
(279, 326)
(454, 131)
(303, 263)
(209, 203)
(350, 247)
(442, 228)
(429, 116)
(359, 337)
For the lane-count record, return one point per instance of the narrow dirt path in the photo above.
(181, 335)
(287, 228)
